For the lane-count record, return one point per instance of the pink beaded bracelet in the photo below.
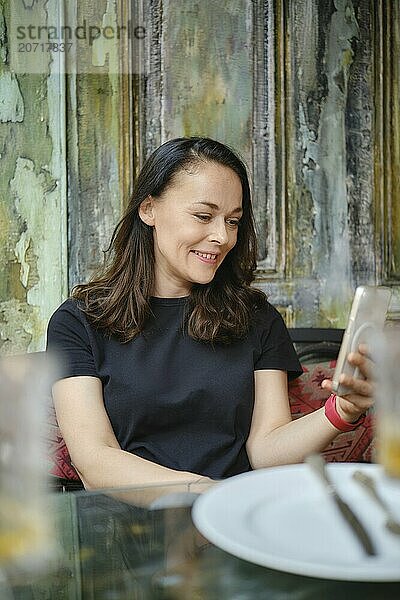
(333, 416)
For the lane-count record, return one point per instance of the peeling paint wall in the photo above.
(32, 201)
(291, 84)
(218, 80)
(331, 72)
(99, 164)
(307, 91)
(320, 168)
(57, 127)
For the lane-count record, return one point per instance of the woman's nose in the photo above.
(219, 232)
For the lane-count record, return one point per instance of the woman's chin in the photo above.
(203, 280)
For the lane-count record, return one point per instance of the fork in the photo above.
(368, 483)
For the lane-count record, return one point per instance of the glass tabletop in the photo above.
(140, 543)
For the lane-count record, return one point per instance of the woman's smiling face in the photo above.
(195, 224)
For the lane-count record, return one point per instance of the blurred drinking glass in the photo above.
(25, 525)
(386, 354)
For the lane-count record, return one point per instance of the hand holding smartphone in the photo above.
(367, 316)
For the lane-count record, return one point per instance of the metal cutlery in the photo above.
(369, 485)
(318, 465)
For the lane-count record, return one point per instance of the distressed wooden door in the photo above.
(308, 92)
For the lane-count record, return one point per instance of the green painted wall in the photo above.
(306, 91)
(33, 270)
(64, 164)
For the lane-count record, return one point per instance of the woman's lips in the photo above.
(209, 257)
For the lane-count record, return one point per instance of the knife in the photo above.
(318, 465)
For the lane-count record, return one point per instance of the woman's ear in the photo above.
(146, 211)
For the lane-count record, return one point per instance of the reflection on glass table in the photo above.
(141, 544)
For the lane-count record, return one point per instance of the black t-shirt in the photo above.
(183, 404)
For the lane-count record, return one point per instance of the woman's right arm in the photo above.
(93, 447)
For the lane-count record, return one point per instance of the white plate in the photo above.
(283, 518)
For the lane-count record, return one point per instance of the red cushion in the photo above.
(306, 395)
(57, 451)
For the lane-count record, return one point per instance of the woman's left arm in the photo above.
(275, 439)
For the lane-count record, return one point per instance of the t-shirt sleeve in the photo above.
(277, 350)
(68, 340)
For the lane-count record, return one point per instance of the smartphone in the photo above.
(367, 316)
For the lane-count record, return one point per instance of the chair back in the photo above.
(317, 350)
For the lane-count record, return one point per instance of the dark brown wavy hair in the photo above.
(117, 299)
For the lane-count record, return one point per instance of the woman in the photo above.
(175, 369)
